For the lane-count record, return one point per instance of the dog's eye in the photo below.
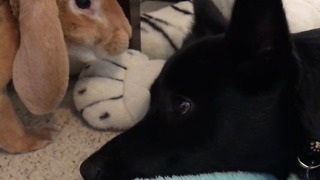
(182, 106)
(83, 4)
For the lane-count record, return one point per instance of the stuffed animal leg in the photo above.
(13, 138)
(162, 35)
(114, 93)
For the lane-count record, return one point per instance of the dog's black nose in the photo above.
(89, 171)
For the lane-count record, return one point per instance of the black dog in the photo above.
(242, 97)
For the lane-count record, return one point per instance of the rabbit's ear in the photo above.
(41, 69)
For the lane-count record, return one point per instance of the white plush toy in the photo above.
(163, 30)
(114, 93)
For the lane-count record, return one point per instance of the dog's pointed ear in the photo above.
(41, 68)
(258, 26)
(208, 20)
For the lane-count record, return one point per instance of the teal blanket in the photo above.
(223, 176)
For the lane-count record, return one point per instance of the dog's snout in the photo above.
(89, 170)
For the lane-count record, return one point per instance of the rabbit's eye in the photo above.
(83, 4)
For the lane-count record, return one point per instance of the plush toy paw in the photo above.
(114, 93)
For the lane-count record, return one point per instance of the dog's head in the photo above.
(224, 102)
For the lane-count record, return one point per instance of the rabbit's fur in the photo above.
(37, 39)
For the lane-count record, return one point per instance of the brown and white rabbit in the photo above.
(36, 38)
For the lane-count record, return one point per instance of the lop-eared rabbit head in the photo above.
(85, 30)
(234, 98)
(96, 24)
(37, 37)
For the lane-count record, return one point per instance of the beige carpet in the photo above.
(75, 141)
(60, 159)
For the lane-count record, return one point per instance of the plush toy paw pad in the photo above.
(114, 93)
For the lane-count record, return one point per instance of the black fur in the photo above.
(244, 100)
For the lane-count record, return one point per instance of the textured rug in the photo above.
(61, 159)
